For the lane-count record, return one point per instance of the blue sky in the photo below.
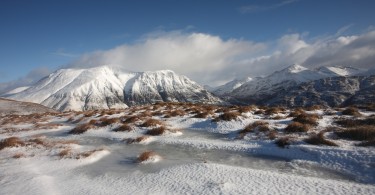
(38, 35)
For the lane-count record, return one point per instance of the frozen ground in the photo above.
(196, 156)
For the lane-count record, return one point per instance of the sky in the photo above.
(209, 41)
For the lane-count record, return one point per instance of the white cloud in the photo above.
(32, 77)
(211, 60)
(200, 56)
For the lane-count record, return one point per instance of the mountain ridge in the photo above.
(104, 87)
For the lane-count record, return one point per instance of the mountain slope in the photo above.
(104, 87)
(149, 87)
(21, 108)
(258, 89)
(333, 91)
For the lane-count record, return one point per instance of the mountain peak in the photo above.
(296, 68)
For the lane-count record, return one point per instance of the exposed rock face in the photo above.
(333, 91)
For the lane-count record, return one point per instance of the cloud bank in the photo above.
(32, 77)
(212, 60)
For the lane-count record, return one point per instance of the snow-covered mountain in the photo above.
(230, 86)
(332, 91)
(104, 87)
(260, 88)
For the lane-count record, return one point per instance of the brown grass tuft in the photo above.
(151, 123)
(243, 109)
(132, 119)
(296, 127)
(157, 131)
(356, 122)
(136, 140)
(274, 110)
(19, 155)
(11, 142)
(309, 119)
(272, 135)
(296, 112)
(65, 153)
(80, 129)
(360, 133)
(122, 128)
(227, 116)
(318, 139)
(257, 125)
(352, 111)
(283, 142)
(146, 156)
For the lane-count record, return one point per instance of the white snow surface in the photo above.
(205, 158)
(16, 90)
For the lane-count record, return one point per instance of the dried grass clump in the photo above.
(146, 156)
(272, 135)
(283, 142)
(244, 109)
(136, 140)
(132, 119)
(11, 142)
(360, 133)
(122, 128)
(108, 121)
(297, 127)
(47, 125)
(151, 123)
(257, 125)
(274, 110)
(202, 114)
(296, 112)
(80, 129)
(356, 122)
(314, 107)
(260, 111)
(227, 116)
(352, 111)
(145, 114)
(318, 139)
(175, 113)
(87, 153)
(65, 153)
(309, 119)
(19, 155)
(156, 131)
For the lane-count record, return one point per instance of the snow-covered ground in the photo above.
(193, 155)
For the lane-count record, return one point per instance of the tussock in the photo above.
(80, 129)
(283, 142)
(318, 139)
(227, 116)
(151, 123)
(297, 127)
(123, 127)
(146, 156)
(352, 111)
(309, 119)
(156, 131)
(360, 133)
(11, 142)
